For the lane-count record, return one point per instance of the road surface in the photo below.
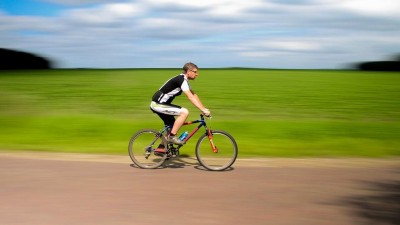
(44, 188)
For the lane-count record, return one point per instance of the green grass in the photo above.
(285, 113)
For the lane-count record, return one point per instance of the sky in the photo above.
(286, 34)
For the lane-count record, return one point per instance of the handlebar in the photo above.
(202, 116)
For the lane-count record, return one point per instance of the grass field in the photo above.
(287, 113)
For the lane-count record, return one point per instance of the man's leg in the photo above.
(167, 113)
(183, 115)
(181, 118)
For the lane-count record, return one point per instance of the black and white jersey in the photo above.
(172, 88)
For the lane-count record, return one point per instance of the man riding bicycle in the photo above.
(162, 99)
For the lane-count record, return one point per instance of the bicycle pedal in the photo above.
(171, 155)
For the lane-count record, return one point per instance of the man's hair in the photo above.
(189, 66)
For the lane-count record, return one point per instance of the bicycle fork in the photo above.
(210, 138)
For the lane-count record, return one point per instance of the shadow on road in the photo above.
(382, 205)
(174, 163)
(182, 162)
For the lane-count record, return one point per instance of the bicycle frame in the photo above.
(194, 131)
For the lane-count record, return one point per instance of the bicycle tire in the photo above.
(145, 142)
(226, 155)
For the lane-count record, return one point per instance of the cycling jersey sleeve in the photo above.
(185, 86)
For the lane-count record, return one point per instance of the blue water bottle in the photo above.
(183, 136)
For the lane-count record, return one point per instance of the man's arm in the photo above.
(195, 100)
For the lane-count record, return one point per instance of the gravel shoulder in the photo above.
(240, 162)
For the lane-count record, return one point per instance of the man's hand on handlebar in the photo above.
(206, 112)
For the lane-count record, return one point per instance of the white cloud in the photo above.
(292, 45)
(372, 7)
(311, 33)
(107, 13)
(79, 2)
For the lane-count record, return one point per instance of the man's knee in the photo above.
(184, 112)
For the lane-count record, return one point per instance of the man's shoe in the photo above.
(174, 140)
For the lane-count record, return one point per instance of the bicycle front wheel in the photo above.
(141, 149)
(225, 154)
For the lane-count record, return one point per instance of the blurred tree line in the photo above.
(17, 60)
(389, 65)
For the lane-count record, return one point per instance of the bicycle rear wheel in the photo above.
(225, 156)
(141, 149)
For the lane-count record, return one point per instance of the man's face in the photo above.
(192, 74)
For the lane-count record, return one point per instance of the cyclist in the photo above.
(161, 101)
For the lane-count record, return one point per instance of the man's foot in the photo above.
(174, 140)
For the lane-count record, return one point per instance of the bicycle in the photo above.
(216, 150)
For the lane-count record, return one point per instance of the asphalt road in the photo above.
(39, 191)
